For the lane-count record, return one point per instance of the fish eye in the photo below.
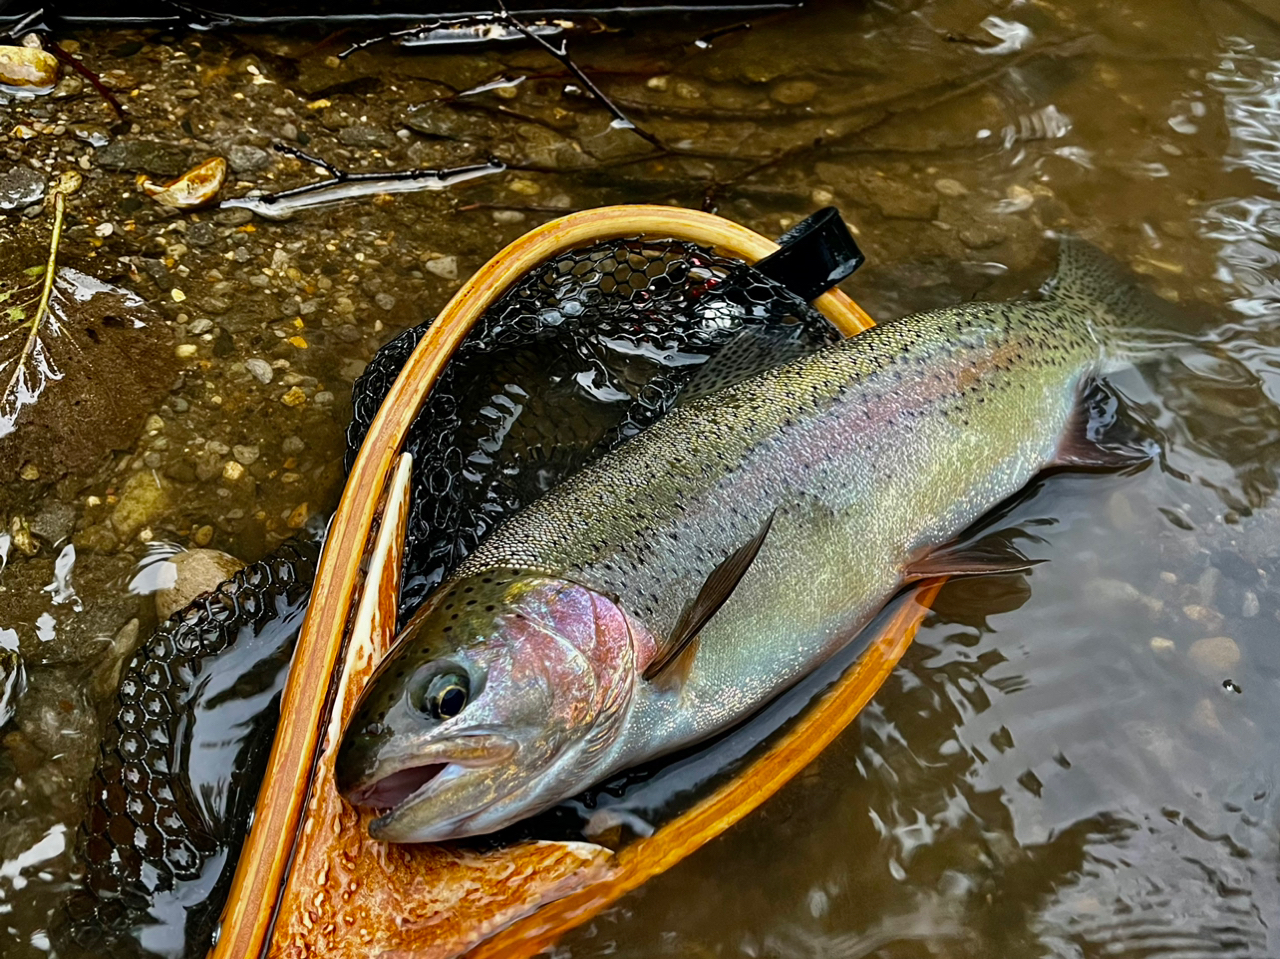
(446, 695)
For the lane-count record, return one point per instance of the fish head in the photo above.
(493, 704)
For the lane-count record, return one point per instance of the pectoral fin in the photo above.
(983, 558)
(681, 645)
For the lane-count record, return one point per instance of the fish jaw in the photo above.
(400, 780)
(554, 667)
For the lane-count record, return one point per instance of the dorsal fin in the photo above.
(717, 588)
(752, 351)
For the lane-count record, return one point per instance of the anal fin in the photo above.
(1083, 445)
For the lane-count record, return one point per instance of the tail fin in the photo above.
(1090, 280)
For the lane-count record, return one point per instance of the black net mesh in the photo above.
(579, 355)
(182, 756)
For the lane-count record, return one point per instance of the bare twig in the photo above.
(344, 185)
(704, 42)
(103, 90)
(311, 158)
(46, 290)
(32, 21)
(561, 53)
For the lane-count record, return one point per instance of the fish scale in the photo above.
(822, 485)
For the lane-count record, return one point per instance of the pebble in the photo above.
(897, 198)
(445, 267)
(385, 301)
(1121, 512)
(323, 398)
(1216, 654)
(298, 518)
(144, 156)
(198, 326)
(948, 187)
(1209, 618)
(1117, 591)
(20, 187)
(1163, 647)
(1207, 585)
(259, 369)
(186, 350)
(245, 158)
(196, 571)
(28, 69)
(142, 500)
(106, 678)
(246, 454)
(55, 521)
(1250, 606)
(203, 536)
(793, 93)
(293, 445)
(366, 137)
(294, 397)
(1207, 716)
(232, 471)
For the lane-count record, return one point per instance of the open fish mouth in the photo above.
(398, 789)
(401, 782)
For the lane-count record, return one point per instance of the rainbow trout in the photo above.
(672, 588)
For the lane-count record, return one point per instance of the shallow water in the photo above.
(1079, 763)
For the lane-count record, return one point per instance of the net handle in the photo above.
(248, 916)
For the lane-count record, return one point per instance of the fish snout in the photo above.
(402, 771)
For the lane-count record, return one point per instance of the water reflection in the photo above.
(1079, 763)
(1063, 764)
(1248, 226)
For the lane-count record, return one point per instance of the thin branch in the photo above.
(96, 81)
(704, 42)
(343, 185)
(620, 119)
(33, 20)
(311, 158)
(46, 290)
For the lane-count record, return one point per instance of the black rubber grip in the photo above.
(817, 253)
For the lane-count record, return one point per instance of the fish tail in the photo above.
(1122, 312)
